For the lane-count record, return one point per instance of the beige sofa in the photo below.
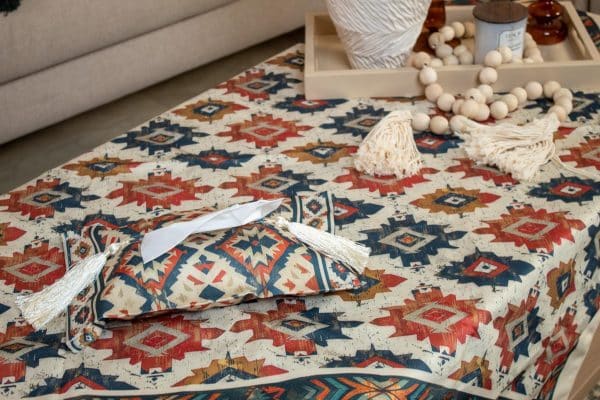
(62, 57)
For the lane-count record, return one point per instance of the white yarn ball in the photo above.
(466, 58)
(421, 59)
(506, 54)
(436, 63)
(476, 95)
(420, 122)
(434, 40)
(534, 90)
(450, 60)
(488, 75)
(499, 110)
(445, 102)
(483, 113)
(469, 29)
(456, 123)
(433, 91)
(520, 94)
(438, 125)
(458, 50)
(447, 33)
(528, 60)
(529, 43)
(427, 76)
(560, 112)
(550, 88)
(511, 101)
(517, 60)
(565, 103)
(527, 36)
(487, 91)
(443, 50)
(459, 29)
(493, 59)
(562, 92)
(456, 106)
(469, 108)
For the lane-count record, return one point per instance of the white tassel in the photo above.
(390, 148)
(514, 149)
(347, 252)
(41, 307)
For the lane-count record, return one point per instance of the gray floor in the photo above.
(21, 160)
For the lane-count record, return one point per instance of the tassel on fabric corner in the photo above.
(41, 307)
(390, 148)
(353, 255)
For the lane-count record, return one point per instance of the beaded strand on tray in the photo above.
(479, 103)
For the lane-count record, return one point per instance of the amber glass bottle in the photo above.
(546, 23)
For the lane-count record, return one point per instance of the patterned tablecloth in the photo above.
(478, 284)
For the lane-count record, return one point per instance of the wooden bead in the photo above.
(434, 40)
(458, 50)
(445, 102)
(560, 112)
(483, 113)
(456, 124)
(534, 90)
(493, 59)
(459, 29)
(427, 76)
(469, 29)
(466, 58)
(476, 95)
(499, 110)
(447, 33)
(443, 50)
(433, 91)
(488, 75)
(456, 106)
(438, 125)
(506, 54)
(421, 59)
(436, 63)
(532, 51)
(511, 101)
(520, 94)
(550, 88)
(562, 92)
(420, 122)
(487, 91)
(469, 108)
(565, 103)
(450, 60)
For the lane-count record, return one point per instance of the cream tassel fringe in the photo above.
(518, 150)
(349, 253)
(41, 307)
(390, 149)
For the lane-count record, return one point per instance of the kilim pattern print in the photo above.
(479, 286)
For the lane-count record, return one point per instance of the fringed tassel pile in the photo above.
(517, 150)
(41, 307)
(349, 253)
(390, 149)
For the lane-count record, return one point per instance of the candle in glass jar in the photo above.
(499, 23)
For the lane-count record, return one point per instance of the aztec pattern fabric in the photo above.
(480, 286)
(216, 269)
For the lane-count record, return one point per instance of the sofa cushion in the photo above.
(40, 34)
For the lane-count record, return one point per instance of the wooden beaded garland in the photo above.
(474, 105)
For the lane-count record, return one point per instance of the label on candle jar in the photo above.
(512, 39)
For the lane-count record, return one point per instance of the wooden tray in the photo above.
(575, 63)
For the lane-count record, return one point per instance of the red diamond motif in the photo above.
(157, 339)
(437, 315)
